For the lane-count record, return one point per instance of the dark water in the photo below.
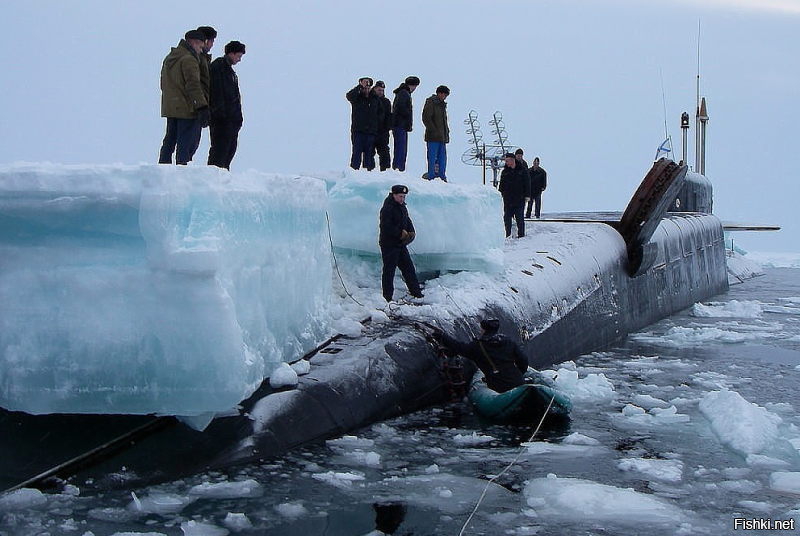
(424, 474)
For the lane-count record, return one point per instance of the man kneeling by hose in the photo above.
(500, 359)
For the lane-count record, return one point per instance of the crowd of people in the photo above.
(196, 93)
(374, 116)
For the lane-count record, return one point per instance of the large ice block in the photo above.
(459, 227)
(155, 289)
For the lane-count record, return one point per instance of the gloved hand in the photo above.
(204, 116)
(407, 238)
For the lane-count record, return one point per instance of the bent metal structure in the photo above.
(646, 265)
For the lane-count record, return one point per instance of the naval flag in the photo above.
(664, 150)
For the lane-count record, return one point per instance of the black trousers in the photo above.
(516, 212)
(224, 141)
(398, 257)
(382, 148)
(536, 199)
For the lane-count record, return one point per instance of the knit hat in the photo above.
(380, 83)
(208, 31)
(511, 155)
(412, 81)
(234, 46)
(443, 89)
(399, 189)
(490, 325)
(195, 34)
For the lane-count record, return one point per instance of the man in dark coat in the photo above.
(538, 185)
(500, 359)
(396, 232)
(226, 106)
(437, 133)
(516, 191)
(402, 120)
(205, 58)
(363, 124)
(183, 101)
(384, 125)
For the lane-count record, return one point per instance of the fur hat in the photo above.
(399, 189)
(234, 46)
(208, 31)
(195, 34)
(412, 81)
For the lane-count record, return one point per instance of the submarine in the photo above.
(618, 273)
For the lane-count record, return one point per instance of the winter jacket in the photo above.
(394, 219)
(434, 117)
(384, 116)
(538, 180)
(402, 108)
(506, 363)
(514, 185)
(181, 89)
(226, 101)
(205, 74)
(364, 117)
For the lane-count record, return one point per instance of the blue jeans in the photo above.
(400, 136)
(363, 150)
(518, 213)
(183, 134)
(437, 154)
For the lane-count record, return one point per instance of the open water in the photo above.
(618, 471)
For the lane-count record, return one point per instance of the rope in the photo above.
(336, 264)
(501, 473)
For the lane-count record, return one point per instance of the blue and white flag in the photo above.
(664, 150)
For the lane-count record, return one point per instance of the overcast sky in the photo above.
(579, 83)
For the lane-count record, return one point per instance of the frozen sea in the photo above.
(680, 429)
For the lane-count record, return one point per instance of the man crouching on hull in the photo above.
(396, 232)
(500, 359)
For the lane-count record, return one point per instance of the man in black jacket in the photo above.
(515, 188)
(402, 120)
(384, 125)
(396, 232)
(538, 185)
(363, 123)
(226, 106)
(500, 359)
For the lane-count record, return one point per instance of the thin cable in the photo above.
(336, 264)
(491, 481)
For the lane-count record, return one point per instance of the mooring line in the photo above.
(501, 473)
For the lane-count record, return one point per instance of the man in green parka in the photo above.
(183, 102)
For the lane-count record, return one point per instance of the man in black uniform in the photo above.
(363, 123)
(500, 359)
(226, 106)
(384, 125)
(515, 188)
(396, 233)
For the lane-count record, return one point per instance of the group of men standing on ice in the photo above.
(374, 116)
(197, 93)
